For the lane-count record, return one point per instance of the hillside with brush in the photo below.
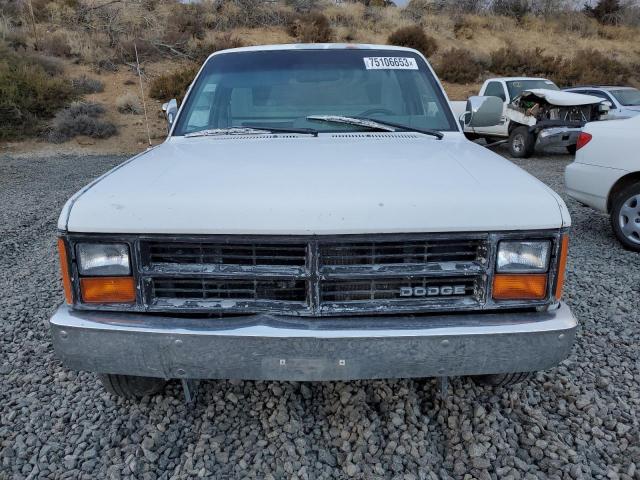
(69, 74)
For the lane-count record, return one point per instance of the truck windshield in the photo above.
(516, 87)
(281, 88)
(629, 97)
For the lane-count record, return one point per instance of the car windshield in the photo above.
(281, 88)
(516, 87)
(629, 97)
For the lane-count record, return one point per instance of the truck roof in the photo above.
(507, 79)
(316, 46)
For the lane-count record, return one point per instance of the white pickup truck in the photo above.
(536, 113)
(315, 213)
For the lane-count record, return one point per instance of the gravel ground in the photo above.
(579, 420)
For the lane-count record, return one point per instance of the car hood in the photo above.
(560, 98)
(330, 184)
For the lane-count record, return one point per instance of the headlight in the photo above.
(523, 257)
(103, 259)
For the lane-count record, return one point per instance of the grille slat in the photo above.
(162, 253)
(387, 289)
(315, 276)
(385, 253)
(241, 290)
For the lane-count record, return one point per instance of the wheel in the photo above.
(625, 217)
(501, 379)
(471, 136)
(521, 142)
(129, 386)
(571, 149)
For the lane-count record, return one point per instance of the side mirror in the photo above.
(170, 109)
(483, 111)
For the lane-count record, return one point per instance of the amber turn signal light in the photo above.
(562, 265)
(108, 289)
(519, 287)
(64, 270)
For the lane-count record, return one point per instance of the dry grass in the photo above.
(414, 37)
(129, 103)
(98, 42)
(172, 85)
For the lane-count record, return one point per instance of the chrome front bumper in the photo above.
(558, 137)
(268, 347)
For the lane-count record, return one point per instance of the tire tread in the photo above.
(502, 379)
(129, 386)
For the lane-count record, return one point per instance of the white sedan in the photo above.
(606, 175)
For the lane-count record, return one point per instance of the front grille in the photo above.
(400, 289)
(241, 290)
(389, 253)
(316, 275)
(201, 253)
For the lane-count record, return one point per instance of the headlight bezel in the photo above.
(526, 248)
(119, 253)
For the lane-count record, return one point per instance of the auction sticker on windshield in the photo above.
(390, 63)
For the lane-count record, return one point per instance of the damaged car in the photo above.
(535, 113)
(542, 117)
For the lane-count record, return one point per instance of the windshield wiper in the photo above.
(374, 124)
(305, 131)
(244, 130)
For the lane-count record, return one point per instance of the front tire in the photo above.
(501, 379)
(625, 217)
(521, 142)
(131, 387)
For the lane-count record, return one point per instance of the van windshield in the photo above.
(281, 88)
(516, 87)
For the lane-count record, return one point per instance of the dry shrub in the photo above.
(607, 12)
(28, 94)
(80, 119)
(463, 28)
(56, 44)
(51, 65)
(348, 15)
(414, 37)
(17, 40)
(303, 5)
(458, 65)
(185, 22)
(509, 61)
(511, 8)
(417, 9)
(576, 23)
(84, 85)
(172, 85)
(129, 103)
(250, 14)
(311, 28)
(586, 67)
(146, 50)
(201, 51)
(591, 67)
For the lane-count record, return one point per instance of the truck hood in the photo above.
(560, 98)
(330, 184)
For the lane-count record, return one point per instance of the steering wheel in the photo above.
(373, 111)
